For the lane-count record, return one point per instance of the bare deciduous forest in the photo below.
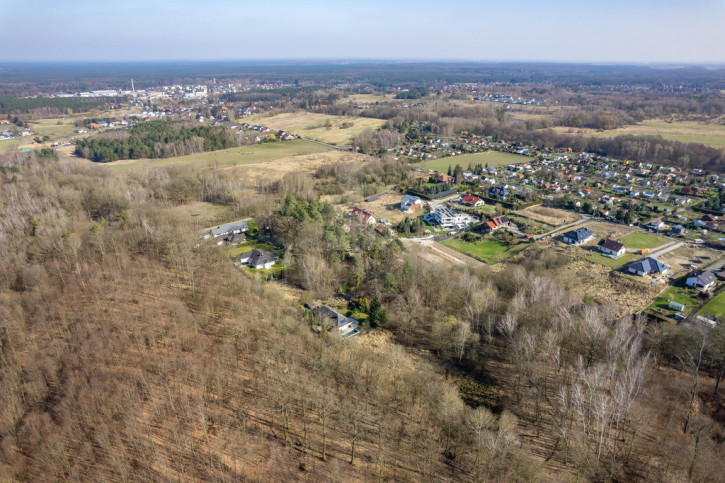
(130, 350)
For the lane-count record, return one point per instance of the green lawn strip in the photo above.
(251, 244)
(715, 307)
(490, 158)
(638, 240)
(609, 262)
(679, 295)
(491, 251)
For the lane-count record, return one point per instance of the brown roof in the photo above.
(611, 245)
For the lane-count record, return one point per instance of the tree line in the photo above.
(157, 139)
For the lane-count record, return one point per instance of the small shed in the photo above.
(676, 306)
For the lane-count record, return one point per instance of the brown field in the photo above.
(603, 229)
(680, 260)
(312, 125)
(550, 216)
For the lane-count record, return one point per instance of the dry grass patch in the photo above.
(322, 127)
(550, 216)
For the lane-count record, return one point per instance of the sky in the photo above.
(602, 31)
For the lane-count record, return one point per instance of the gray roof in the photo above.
(239, 226)
(649, 265)
(579, 235)
(259, 257)
(706, 277)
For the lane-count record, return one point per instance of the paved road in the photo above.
(563, 228)
(658, 252)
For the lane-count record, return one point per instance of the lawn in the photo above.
(638, 240)
(51, 128)
(715, 307)
(491, 250)
(251, 244)
(679, 295)
(490, 158)
(256, 153)
(8, 145)
(339, 130)
(686, 132)
(609, 262)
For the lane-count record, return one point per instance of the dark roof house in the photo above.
(578, 236)
(648, 266)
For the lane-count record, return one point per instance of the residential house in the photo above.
(448, 219)
(410, 203)
(471, 200)
(611, 248)
(233, 239)
(648, 266)
(578, 236)
(678, 230)
(498, 192)
(363, 215)
(332, 319)
(443, 178)
(496, 223)
(655, 225)
(232, 228)
(257, 258)
(704, 280)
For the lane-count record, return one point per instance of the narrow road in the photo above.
(340, 148)
(562, 228)
(658, 252)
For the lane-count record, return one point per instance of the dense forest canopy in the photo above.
(50, 106)
(157, 139)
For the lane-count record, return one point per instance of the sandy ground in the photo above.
(680, 260)
(387, 207)
(550, 216)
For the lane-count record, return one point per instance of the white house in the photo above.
(648, 266)
(577, 237)
(703, 280)
(330, 317)
(410, 203)
(611, 248)
(232, 228)
(448, 219)
(256, 258)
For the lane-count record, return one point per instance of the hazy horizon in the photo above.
(561, 31)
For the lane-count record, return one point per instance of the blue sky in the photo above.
(516, 30)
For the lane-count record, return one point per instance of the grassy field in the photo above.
(686, 132)
(715, 307)
(679, 295)
(339, 130)
(50, 127)
(490, 158)
(638, 240)
(257, 153)
(492, 251)
(205, 214)
(8, 145)
(608, 262)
